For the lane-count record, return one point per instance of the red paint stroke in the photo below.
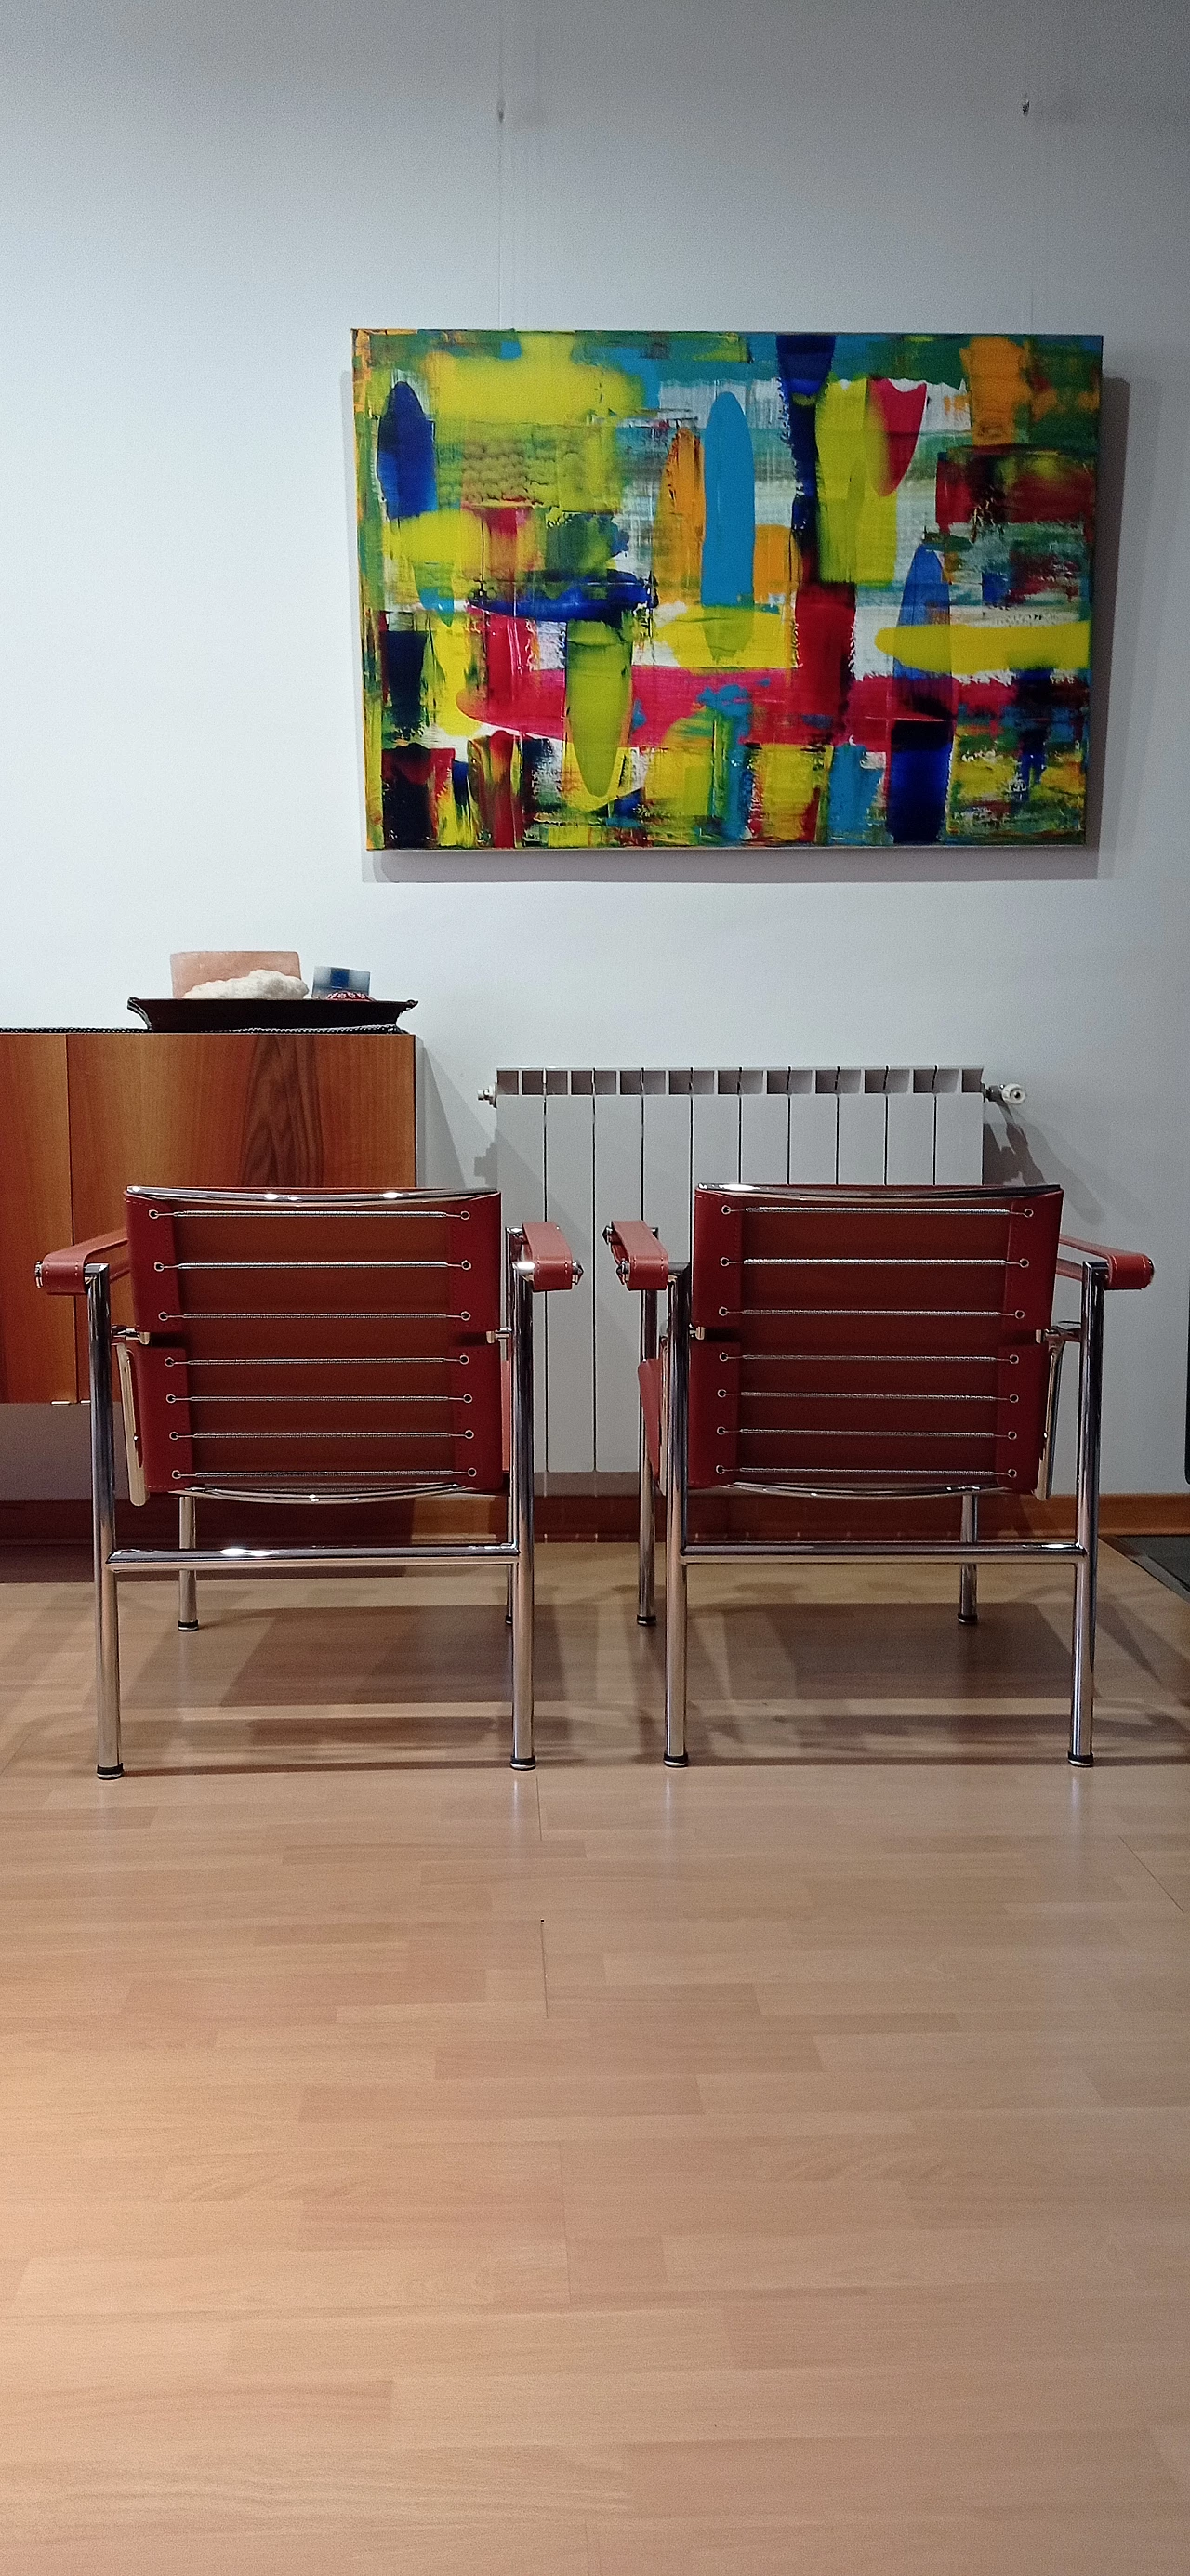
(502, 528)
(1016, 486)
(1043, 576)
(871, 706)
(824, 627)
(441, 783)
(535, 706)
(1051, 492)
(876, 703)
(514, 692)
(489, 761)
(510, 652)
(900, 414)
(965, 490)
(785, 705)
(663, 696)
(988, 700)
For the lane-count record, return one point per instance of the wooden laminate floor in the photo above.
(780, 2166)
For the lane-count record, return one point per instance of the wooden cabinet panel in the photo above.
(278, 1110)
(37, 1348)
(302, 1111)
(83, 1112)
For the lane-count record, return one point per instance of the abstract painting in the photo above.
(705, 589)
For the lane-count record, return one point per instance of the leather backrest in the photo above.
(880, 1339)
(316, 1344)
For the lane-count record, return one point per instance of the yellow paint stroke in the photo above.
(582, 799)
(440, 555)
(400, 578)
(1001, 397)
(857, 524)
(454, 829)
(373, 733)
(452, 670)
(680, 522)
(543, 388)
(598, 704)
(728, 632)
(981, 777)
(969, 649)
(678, 778)
(842, 475)
(876, 539)
(759, 639)
(788, 779)
(574, 467)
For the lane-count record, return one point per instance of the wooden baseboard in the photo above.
(575, 1517)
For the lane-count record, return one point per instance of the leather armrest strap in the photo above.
(642, 1262)
(64, 1274)
(1124, 1269)
(550, 1258)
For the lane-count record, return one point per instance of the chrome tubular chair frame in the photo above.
(532, 1264)
(1095, 1269)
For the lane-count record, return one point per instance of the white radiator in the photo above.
(580, 1147)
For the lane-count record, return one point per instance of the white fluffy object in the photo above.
(264, 984)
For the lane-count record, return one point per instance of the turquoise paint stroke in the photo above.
(729, 475)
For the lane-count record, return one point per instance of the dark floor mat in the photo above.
(1165, 1554)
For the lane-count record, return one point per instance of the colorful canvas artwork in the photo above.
(696, 589)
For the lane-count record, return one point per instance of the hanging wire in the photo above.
(500, 112)
(1036, 123)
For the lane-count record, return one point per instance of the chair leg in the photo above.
(508, 1600)
(646, 1573)
(187, 1580)
(969, 1574)
(1082, 1690)
(675, 1641)
(675, 1522)
(103, 1528)
(523, 1757)
(1086, 1571)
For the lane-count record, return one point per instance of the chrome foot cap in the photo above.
(188, 1627)
(530, 1765)
(1081, 1761)
(677, 1761)
(115, 1771)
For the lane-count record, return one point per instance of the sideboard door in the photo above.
(281, 1110)
(37, 1346)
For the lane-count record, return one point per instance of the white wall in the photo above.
(197, 202)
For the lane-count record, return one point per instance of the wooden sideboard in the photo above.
(84, 1112)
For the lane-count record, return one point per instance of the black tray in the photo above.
(337, 1011)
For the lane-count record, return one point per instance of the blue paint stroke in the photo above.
(918, 781)
(731, 758)
(1033, 697)
(925, 599)
(804, 361)
(729, 475)
(853, 786)
(404, 649)
(607, 597)
(405, 468)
